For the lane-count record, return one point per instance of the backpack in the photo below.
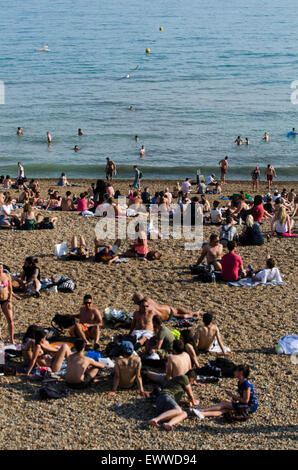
(49, 391)
(62, 322)
(114, 348)
(65, 284)
(203, 272)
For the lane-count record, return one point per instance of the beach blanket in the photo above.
(215, 348)
(248, 282)
(287, 345)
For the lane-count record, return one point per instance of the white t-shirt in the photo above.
(269, 275)
(215, 215)
(20, 172)
(185, 187)
(6, 208)
(209, 180)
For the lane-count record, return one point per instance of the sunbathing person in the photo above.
(128, 370)
(166, 312)
(140, 247)
(213, 252)
(106, 254)
(268, 274)
(81, 370)
(142, 324)
(45, 223)
(245, 402)
(29, 281)
(167, 402)
(178, 363)
(89, 324)
(206, 334)
(78, 252)
(45, 355)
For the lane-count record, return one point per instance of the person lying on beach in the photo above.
(127, 370)
(79, 253)
(166, 312)
(212, 251)
(206, 334)
(45, 355)
(106, 254)
(142, 324)
(245, 401)
(45, 223)
(178, 363)
(89, 324)
(81, 370)
(162, 341)
(167, 402)
(232, 264)
(268, 274)
(281, 222)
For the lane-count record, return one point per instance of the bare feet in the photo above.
(153, 422)
(168, 427)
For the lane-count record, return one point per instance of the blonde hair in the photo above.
(282, 215)
(249, 221)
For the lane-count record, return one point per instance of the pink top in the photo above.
(230, 267)
(82, 205)
(141, 249)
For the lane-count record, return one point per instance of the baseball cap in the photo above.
(127, 347)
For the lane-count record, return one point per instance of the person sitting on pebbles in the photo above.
(81, 370)
(106, 254)
(167, 402)
(89, 323)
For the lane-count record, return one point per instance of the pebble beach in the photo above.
(251, 322)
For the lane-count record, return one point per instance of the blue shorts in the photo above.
(165, 403)
(239, 406)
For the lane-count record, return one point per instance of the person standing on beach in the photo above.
(6, 294)
(110, 169)
(255, 176)
(223, 169)
(137, 177)
(269, 173)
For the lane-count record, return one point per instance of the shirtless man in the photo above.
(142, 152)
(20, 131)
(223, 169)
(110, 169)
(67, 202)
(269, 173)
(142, 324)
(213, 251)
(206, 334)
(81, 370)
(178, 363)
(166, 312)
(89, 324)
(266, 137)
(239, 141)
(49, 138)
(80, 132)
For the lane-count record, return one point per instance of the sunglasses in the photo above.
(87, 303)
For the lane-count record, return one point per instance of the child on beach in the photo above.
(246, 402)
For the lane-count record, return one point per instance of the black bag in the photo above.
(203, 272)
(225, 365)
(65, 284)
(114, 348)
(63, 322)
(49, 391)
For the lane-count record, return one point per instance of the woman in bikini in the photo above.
(45, 355)
(6, 300)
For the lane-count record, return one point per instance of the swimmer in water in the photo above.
(247, 141)
(266, 137)
(49, 138)
(142, 152)
(131, 108)
(80, 132)
(239, 141)
(76, 148)
(294, 132)
(20, 131)
(137, 138)
(45, 48)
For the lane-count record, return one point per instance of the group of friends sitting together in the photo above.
(148, 335)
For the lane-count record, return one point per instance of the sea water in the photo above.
(218, 69)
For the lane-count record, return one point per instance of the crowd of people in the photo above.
(150, 337)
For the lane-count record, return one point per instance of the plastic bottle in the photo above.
(213, 278)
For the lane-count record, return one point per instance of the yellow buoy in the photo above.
(161, 28)
(148, 50)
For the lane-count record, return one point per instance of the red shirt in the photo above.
(230, 266)
(258, 212)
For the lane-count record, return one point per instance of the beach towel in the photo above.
(248, 282)
(215, 348)
(287, 345)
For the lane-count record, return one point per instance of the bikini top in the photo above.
(3, 284)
